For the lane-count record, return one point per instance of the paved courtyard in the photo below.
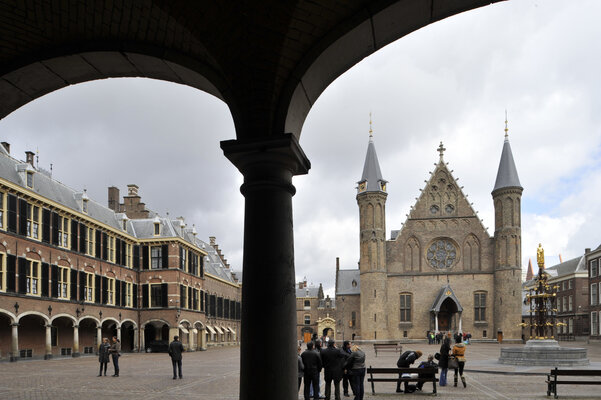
(213, 374)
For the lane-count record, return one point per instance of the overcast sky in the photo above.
(451, 81)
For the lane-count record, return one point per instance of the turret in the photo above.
(371, 198)
(507, 197)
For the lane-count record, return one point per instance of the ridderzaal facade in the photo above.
(442, 271)
(73, 271)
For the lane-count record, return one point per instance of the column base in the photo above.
(75, 355)
(47, 356)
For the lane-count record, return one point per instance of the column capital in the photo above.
(15, 324)
(75, 326)
(283, 150)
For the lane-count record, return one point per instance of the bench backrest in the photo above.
(576, 372)
(429, 370)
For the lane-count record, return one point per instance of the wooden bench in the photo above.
(394, 374)
(552, 381)
(396, 347)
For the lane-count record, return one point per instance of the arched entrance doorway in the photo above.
(6, 322)
(306, 333)
(109, 328)
(446, 316)
(62, 337)
(127, 336)
(32, 336)
(88, 332)
(156, 336)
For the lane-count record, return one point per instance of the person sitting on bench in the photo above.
(426, 364)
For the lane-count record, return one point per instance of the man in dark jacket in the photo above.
(346, 377)
(175, 351)
(405, 361)
(426, 364)
(332, 359)
(312, 362)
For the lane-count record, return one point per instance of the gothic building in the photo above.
(442, 271)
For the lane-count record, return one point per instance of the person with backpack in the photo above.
(405, 361)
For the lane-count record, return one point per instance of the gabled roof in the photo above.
(345, 282)
(371, 169)
(309, 291)
(507, 175)
(445, 293)
(567, 267)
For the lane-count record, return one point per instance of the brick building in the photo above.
(73, 271)
(442, 271)
(314, 312)
(593, 265)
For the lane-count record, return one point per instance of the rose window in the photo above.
(441, 254)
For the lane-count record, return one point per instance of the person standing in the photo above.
(312, 362)
(346, 377)
(301, 368)
(333, 360)
(356, 364)
(459, 353)
(103, 355)
(443, 363)
(405, 361)
(115, 351)
(176, 348)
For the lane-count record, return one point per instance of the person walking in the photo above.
(346, 377)
(312, 362)
(332, 359)
(405, 361)
(459, 353)
(176, 348)
(443, 363)
(356, 364)
(103, 355)
(115, 351)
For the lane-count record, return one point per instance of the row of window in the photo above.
(406, 307)
(594, 268)
(48, 226)
(566, 285)
(595, 290)
(565, 303)
(35, 278)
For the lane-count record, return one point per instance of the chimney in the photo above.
(212, 240)
(560, 260)
(132, 190)
(114, 198)
(6, 146)
(29, 157)
(587, 250)
(337, 263)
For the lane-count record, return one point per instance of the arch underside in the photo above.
(269, 71)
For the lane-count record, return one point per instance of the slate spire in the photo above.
(507, 175)
(371, 179)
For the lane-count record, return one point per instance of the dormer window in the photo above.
(84, 206)
(30, 179)
(157, 226)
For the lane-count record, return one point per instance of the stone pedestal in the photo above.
(543, 352)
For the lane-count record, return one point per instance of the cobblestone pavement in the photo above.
(213, 374)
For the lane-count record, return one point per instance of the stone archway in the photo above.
(128, 336)
(6, 322)
(326, 327)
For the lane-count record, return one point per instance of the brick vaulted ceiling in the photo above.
(269, 60)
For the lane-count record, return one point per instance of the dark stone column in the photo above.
(268, 289)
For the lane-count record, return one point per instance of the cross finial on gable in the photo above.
(370, 130)
(441, 150)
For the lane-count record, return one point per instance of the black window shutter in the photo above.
(82, 238)
(73, 285)
(124, 292)
(123, 253)
(202, 300)
(45, 279)
(105, 292)
(97, 292)
(165, 255)
(118, 251)
(136, 257)
(46, 225)
(98, 244)
(22, 275)
(164, 295)
(190, 300)
(144, 257)
(145, 296)
(23, 216)
(182, 293)
(201, 266)
(82, 285)
(105, 247)
(135, 295)
(12, 213)
(117, 292)
(55, 229)
(238, 310)
(11, 266)
(74, 226)
(54, 277)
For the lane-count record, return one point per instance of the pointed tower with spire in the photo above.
(371, 198)
(530, 273)
(507, 197)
